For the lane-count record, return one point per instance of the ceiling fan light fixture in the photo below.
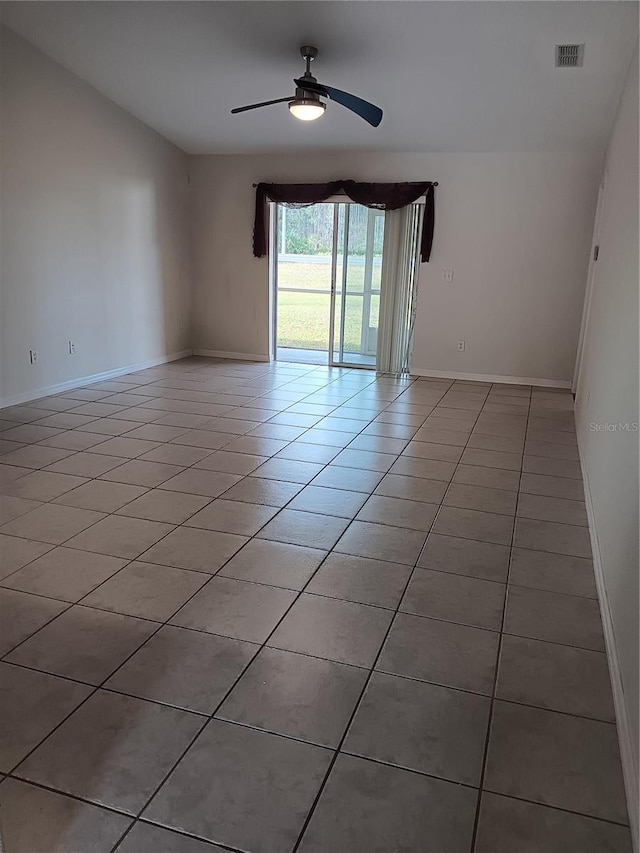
(307, 109)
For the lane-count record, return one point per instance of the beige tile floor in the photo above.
(277, 608)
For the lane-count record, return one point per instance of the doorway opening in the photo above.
(327, 283)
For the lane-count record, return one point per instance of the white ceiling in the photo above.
(450, 76)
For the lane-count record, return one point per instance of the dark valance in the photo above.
(381, 196)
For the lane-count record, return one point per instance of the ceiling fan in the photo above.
(306, 104)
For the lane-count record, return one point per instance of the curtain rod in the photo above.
(433, 183)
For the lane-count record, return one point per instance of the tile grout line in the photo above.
(318, 796)
(485, 756)
(479, 785)
(338, 749)
(464, 690)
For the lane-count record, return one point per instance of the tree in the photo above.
(309, 230)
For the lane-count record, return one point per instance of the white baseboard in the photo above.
(233, 356)
(487, 377)
(627, 752)
(36, 393)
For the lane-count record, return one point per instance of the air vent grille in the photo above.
(569, 55)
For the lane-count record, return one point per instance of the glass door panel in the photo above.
(358, 240)
(304, 245)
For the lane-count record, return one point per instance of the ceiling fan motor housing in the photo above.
(304, 94)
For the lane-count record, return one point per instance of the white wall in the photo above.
(94, 230)
(514, 227)
(608, 393)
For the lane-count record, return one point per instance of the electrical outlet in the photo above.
(461, 345)
(447, 275)
(33, 356)
(72, 347)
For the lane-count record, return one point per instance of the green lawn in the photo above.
(318, 276)
(303, 320)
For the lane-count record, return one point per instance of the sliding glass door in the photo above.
(355, 299)
(304, 240)
(345, 284)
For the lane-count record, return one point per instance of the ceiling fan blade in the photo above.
(263, 104)
(369, 112)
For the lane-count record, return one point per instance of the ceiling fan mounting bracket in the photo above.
(308, 53)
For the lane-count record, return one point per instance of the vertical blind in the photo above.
(398, 288)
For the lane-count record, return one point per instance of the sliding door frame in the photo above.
(366, 302)
(273, 281)
(334, 274)
(336, 200)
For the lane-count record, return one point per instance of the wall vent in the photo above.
(569, 55)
